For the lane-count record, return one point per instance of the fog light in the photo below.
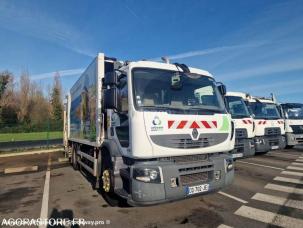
(217, 175)
(229, 165)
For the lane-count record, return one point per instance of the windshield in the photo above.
(264, 110)
(293, 111)
(237, 107)
(170, 90)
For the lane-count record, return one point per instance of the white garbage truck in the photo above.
(149, 132)
(269, 123)
(244, 124)
(293, 113)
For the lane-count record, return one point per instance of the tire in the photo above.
(289, 147)
(107, 175)
(74, 158)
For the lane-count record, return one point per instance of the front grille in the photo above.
(189, 143)
(239, 148)
(273, 142)
(185, 159)
(297, 129)
(273, 131)
(194, 177)
(241, 133)
(196, 168)
(184, 141)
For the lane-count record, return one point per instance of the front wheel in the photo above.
(107, 182)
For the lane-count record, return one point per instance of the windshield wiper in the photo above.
(240, 116)
(162, 107)
(205, 109)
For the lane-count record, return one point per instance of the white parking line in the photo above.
(297, 164)
(289, 180)
(12, 154)
(63, 159)
(269, 217)
(45, 198)
(282, 201)
(232, 197)
(283, 188)
(294, 168)
(256, 164)
(284, 154)
(298, 174)
(224, 226)
(21, 169)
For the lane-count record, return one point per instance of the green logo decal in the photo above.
(225, 125)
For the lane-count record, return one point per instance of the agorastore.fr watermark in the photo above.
(52, 222)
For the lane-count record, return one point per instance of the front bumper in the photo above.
(176, 178)
(244, 147)
(294, 139)
(267, 143)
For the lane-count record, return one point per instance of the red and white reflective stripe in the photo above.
(247, 121)
(262, 122)
(280, 122)
(185, 124)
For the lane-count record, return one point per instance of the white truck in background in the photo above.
(293, 113)
(149, 132)
(244, 124)
(269, 123)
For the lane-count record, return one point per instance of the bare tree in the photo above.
(24, 98)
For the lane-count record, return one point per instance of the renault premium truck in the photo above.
(269, 123)
(244, 124)
(149, 132)
(293, 113)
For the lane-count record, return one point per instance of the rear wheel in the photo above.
(75, 163)
(107, 181)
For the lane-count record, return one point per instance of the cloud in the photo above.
(286, 85)
(211, 51)
(62, 73)
(271, 68)
(38, 24)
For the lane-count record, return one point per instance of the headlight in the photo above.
(152, 175)
(229, 165)
(259, 141)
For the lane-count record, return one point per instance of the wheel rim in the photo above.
(106, 180)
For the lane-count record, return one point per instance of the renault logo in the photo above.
(194, 133)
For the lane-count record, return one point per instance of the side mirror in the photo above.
(176, 82)
(221, 88)
(111, 98)
(111, 79)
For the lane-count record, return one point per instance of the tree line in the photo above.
(25, 107)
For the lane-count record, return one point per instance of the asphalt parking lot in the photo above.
(267, 192)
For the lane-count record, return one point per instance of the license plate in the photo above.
(275, 147)
(239, 155)
(197, 189)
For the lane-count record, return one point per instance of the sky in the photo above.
(251, 46)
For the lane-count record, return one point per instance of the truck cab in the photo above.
(244, 124)
(293, 113)
(162, 131)
(269, 123)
